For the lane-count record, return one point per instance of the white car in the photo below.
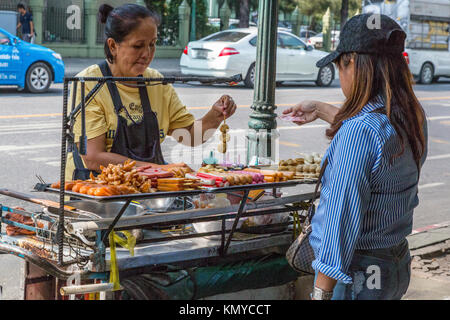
(231, 52)
(317, 40)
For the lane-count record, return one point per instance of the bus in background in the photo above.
(427, 24)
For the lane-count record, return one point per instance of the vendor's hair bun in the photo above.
(103, 12)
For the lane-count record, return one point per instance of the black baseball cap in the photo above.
(368, 33)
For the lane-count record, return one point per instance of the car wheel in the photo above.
(426, 74)
(38, 78)
(249, 80)
(325, 76)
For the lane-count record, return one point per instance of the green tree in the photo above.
(287, 6)
(344, 13)
(168, 30)
(244, 13)
(317, 8)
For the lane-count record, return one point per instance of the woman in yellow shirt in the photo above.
(129, 120)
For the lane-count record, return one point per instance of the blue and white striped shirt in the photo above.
(366, 202)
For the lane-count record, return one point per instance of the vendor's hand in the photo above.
(225, 106)
(305, 110)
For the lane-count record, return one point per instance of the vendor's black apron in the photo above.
(138, 141)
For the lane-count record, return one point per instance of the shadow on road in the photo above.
(12, 91)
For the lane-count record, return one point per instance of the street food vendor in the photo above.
(127, 120)
(372, 166)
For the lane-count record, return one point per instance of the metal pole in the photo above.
(262, 123)
(193, 31)
(60, 229)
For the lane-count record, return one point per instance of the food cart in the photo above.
(123, 247)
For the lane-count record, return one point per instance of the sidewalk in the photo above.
(168, 67)
(430, 266)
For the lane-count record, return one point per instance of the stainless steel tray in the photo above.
(174, 194)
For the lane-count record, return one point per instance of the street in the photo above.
(30, 133)
(31, 136)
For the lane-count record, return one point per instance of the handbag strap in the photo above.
(312, 210)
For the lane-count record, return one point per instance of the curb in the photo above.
(431, 227)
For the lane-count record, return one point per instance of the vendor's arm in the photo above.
(354, 159)
(203, 129)
(310, 110)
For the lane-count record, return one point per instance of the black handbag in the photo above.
(300, 254)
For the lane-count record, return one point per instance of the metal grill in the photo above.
(63, 21)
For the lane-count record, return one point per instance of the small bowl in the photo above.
(162, 205)
(157, 205)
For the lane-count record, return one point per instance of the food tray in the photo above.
(136, 196)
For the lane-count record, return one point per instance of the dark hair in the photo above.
(121, 21)
(20, 6)
(388, 75)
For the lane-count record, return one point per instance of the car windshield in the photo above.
(230, 36)
(4, 39)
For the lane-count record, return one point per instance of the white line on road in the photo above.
(438, 118)
(30, 147)
(30, 126)
(54, 163)
(44, 159)
(29, 131)
(430, 185)
(442, 156)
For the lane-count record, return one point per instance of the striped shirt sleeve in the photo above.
(354, 158)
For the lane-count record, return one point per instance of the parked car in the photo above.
(231, 52)
(27, 65)
(235, 25)
(306, 34)
(317, 40)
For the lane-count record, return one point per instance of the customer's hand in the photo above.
(306, 111)
(224, 107)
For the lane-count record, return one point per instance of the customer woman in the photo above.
(127, 120)
(369, 186)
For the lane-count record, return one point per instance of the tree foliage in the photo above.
(168, 30)
(317, 8)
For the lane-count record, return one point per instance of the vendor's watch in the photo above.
(319, 294)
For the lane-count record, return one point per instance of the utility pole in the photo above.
(262, 138)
